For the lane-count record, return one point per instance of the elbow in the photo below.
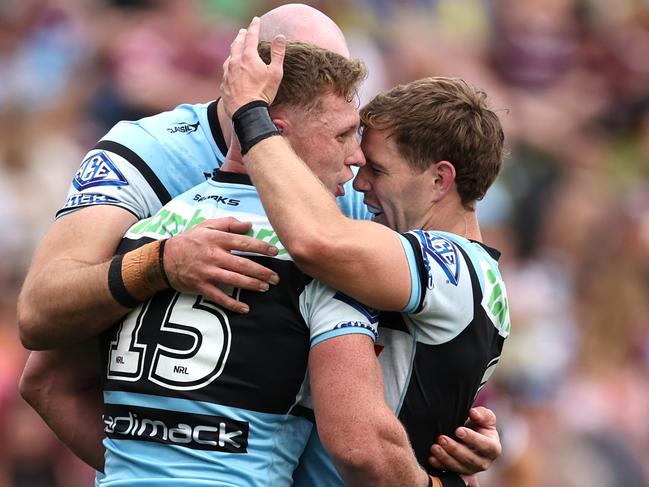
(29, 329)
(26, 327)
(37, 327)
(354, 454)
(27, 389)
(31, 385)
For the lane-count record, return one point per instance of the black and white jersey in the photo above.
(198, 395)
(438, 352)
(437, 357)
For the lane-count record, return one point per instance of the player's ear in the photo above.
(442, 175)
(282, 125)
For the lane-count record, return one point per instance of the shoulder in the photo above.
(157, 132)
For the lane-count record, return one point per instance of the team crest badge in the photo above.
(98, 170)
(444, 253)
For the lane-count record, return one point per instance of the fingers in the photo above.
(482, 417)
(237, 46)
(451, 455)
(221, 298)
(277, 52)
(236, 273)
(227, 224)
(483, 445)
(252, 35)
(229, 237)
(243, 243)
(245, 273)
(251, 39)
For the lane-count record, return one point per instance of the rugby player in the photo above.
(66, 299)
(433, 148)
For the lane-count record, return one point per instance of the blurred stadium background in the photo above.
(570, 211)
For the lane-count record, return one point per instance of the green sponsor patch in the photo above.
(495, 301)
(167, 223)
(267, 235)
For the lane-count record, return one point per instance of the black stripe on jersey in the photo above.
(392, 320)
(493, 253)
(65, 210)
(423, 274)
(215, 127)
(475, 282)
(231, 177)
(303, 412)
(494, 361)
(127, 244)
(139, 163)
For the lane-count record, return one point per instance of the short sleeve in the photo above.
(329, 313)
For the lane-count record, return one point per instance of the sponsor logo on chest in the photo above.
(196, 431)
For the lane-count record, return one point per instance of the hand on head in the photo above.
(246, 77)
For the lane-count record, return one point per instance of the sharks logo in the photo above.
(98, 170)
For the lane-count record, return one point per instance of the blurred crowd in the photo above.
(570, 212)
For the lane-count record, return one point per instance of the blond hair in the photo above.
(311, 72)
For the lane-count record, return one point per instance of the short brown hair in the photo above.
(436, 119)
(311, 71)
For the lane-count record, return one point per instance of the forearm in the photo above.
(382, 458)
(300, 208)
(68, 301)
(364, 438)
(65, 297)
(110, 288)
(63, 387)
(343, 253)
(85, 436)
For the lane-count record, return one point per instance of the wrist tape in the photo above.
(137, 275)
(252, 124)
(451, 479)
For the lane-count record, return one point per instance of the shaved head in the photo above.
(299, 22)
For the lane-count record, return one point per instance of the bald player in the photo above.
(134, 170)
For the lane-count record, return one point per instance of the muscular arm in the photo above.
(63, 387)
(321, 240)
(344, 253)
(363, 437)
(65, 298)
